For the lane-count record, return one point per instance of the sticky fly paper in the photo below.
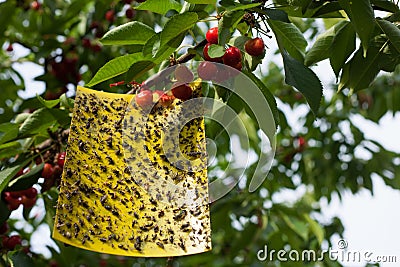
(134, 180)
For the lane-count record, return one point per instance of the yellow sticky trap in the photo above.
(134, 181)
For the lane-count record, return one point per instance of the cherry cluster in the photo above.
(180, 89)
(52, 171)
(25, 197)
(232, 57)
(129, 11)
(9, 242)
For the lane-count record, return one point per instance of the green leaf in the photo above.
(239, 41)
(115, 67)
(13, 145)
(342, 47)
(26, 180)
(62, 116)
(165, 51)
(303, 79)
(304, 5)
(20, 258)
(362, 17)
(20, 118)
(8, 173)
(315, 228)
(66, 102)
(242, 7)
(228, 21)
(138, 69)
(37, 122)
(5, 212)
(322, 47)
(8, 131)
(299, 227)
(328, 8)
(130, 33)
(48, 103)
(361, 77)
(290, 38)
(216, 51)
(159, 6)
(392, 32)
(251, 62)
(203, 2)
(394, 17)
(152, 45)
(176, 26)
(6, 7)
(385, 5)
(268, 95)
(276, 14)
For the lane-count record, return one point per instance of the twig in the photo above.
(188, 56)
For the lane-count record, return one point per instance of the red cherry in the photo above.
(38, 160)
(30, 192)
(183, 74)
(207, 70)
(10, 48)
(223, 74)
(212, 35)
(13, 194)
(47, 171)
(86, 42)
(254, 47)
(4, 240)
(300, 143)
(28, 202)
(144, 99)
(96, 48)
(70, 41)
(14, 204)
(110, 15)
(7, 196)
(11, 242)
(181, 91)
(207, 56)
(238, 66)
(61, 159)
(130, 13)
(35, 5)
(20, 172)
(57, 171)
(232, 57)
(4, 228)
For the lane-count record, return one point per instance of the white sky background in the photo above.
(371, 222)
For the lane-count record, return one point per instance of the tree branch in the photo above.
(188, 56)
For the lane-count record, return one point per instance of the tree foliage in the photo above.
(79, 42)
